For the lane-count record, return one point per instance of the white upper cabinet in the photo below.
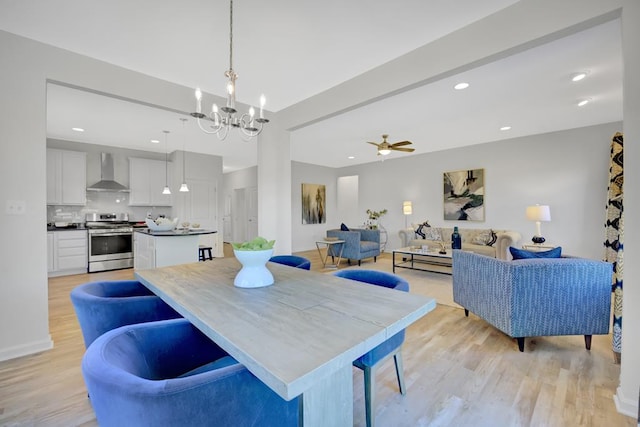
(147, 180)
(66, 177)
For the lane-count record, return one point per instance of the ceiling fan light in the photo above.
(384, 151)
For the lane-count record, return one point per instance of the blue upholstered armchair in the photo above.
(168, 373)
(359, 244)
(292, 261)
(369, 361)
(535, 297)
(103, 306)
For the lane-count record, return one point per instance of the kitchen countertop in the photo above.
(54, 228)
(175, 233)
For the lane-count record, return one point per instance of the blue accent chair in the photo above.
(535, 297)
(359, 243)
(168, 373)
(391, 347)
(292, 261)
(103, 306)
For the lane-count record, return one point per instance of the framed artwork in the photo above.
(313, 204)
(464, 195)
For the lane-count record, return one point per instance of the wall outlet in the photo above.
(16, 207)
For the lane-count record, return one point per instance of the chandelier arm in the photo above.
(222, 133)
(205, 130)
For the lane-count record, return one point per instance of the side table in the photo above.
(538, 247)
(328, 244)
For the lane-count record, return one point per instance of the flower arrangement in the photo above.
(376, 214)
(257, 244)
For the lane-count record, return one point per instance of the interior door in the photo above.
(252, 213)
(239, 215)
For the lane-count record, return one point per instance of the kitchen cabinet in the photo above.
(67, 252)
(50, 252)
(66, 177)
(147, 180)
(165, 249)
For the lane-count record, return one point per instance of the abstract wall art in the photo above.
(464, 195)
(313, 204)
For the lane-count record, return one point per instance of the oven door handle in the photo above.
(110, 234)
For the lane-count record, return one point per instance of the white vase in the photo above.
(254, 272)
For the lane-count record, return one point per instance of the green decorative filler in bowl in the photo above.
(253, 256)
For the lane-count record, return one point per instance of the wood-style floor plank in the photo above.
(459, 372)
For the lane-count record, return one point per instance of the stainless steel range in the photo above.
(110, 241)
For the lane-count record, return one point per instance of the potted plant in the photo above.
(253, 256)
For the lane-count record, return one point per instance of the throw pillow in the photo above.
(344, 227)
(482, 238)
(523, 254)
(433, 233)
(419, 231)
(494, 237)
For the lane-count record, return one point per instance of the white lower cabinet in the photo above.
(68, 252)
(161, 251)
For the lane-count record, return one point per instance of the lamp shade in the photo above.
(407, 208)
(538, 213)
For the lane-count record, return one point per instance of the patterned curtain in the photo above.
(614, 237)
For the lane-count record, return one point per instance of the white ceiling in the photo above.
(291, 50)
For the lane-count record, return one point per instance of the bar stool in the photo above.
(202, 249)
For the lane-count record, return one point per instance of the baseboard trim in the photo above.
(625, 405)
(26, 349)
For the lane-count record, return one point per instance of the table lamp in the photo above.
(538, 213)
(406, 210)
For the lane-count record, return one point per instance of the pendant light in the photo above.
(183, 188)
(166, 190)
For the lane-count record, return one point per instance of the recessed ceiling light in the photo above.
(584, 102)
(505, 128)
(578, 76)
(78, 129)
(461, 85)
(351, 157)
(155, 141)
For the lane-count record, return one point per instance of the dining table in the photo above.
(300, 335)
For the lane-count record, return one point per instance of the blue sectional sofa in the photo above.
(535, 297)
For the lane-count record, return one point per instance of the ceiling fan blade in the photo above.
(373, 143)
(408, 150)
(398, 144)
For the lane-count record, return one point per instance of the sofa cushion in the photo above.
(482, 238)
(433, 233)
(524, 254)
(343, 227)
(367, 246)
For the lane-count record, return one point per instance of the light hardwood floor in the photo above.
(458, 371)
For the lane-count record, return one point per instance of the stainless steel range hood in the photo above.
(107, 182)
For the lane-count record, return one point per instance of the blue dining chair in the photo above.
(292, 261)
(391, 347)
(168, 373)
(106, 305)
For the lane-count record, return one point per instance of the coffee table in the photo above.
(422, 259)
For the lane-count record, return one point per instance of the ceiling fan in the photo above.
(385, 148)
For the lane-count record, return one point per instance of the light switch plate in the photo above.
(16, 207)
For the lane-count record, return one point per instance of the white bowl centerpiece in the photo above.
(253, 256)
(161, 224)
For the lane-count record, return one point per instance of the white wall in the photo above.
(566, 170)
(627, 394)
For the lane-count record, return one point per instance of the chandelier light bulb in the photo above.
(198, 94)
(230, 88)
(252, 112)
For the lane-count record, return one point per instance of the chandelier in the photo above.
(219, 121)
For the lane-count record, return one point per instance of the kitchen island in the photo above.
(164, 248)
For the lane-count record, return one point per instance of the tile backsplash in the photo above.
(106, 202)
